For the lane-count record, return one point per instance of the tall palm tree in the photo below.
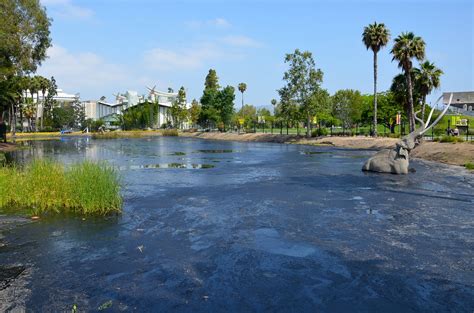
(375, 37)
(427, 78)
(408, 46)
(242, 87)
(44, 85)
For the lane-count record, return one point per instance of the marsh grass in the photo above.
(170, 132)
(45, 187)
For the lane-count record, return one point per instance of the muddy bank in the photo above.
(5, 147)
(449, 153)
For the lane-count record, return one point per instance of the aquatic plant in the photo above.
(46, 187)
(170, 132)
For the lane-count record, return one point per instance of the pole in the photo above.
(287, 128)
(467, 131)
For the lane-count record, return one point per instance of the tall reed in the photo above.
(46, 187)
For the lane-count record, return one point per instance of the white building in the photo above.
(101, 109)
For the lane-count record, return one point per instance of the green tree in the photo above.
(194, 112)
(399, 90)
(428, 77)
(242, 88)
(302, 81)
(209, 113)
(25, 36)
(249, 113)
(375, 37)
(225, 104)
(347, 106)
(408, 46)
(178, 110)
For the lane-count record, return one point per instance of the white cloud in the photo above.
(241, 41)
(82, 72)
(65, 8)
(188, 59)
(216, 23)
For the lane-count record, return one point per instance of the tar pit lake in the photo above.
(212, 226)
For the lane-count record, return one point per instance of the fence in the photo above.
(443, 129)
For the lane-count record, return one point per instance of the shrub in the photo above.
(170, 132)
(319, 132)
(469, 166)
(47, 187)
(452, 139)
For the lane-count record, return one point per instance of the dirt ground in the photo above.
(5, 147)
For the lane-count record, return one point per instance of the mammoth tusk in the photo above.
(432, 110)
(420, 120)
(439, 117)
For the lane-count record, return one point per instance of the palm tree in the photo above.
(427, 78)
(375, 37)
(408, 46)
(242, 87)
(44, 85)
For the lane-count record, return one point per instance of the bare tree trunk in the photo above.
(13, 120)
(411, 109)
(423, 105)
(42, 110)
(37, 110)
(242, 102)
(375, 94)
(308, 128)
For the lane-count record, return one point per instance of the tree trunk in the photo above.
(242, 102)
(423, 105)
(375, 94)
(13, 119)
(42, 109)
(411, 109)
(308, 128)
(37, 110)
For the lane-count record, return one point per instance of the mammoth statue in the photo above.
(396, 160)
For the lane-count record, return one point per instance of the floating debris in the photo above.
(140, 248)
(168, 165)
(105, 305)
(216, 151)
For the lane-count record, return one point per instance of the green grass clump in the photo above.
(469, 166)
(46, 187)
(452, 139)
(170, 132)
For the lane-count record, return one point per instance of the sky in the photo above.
(101, 47)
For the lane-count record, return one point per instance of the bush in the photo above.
(46, 187)
(452, 139)
(469, 166)
(169, 132)
(319, 132)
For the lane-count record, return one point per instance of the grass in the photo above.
(45, 187)
(169, 132)
(452, 139)
(469, 166)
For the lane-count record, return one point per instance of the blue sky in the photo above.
(104, 46)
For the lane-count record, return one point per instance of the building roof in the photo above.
(459, 98)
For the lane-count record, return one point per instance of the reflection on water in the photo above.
(167, 165)
(267, 229)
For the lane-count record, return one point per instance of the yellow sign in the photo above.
(241, 121)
